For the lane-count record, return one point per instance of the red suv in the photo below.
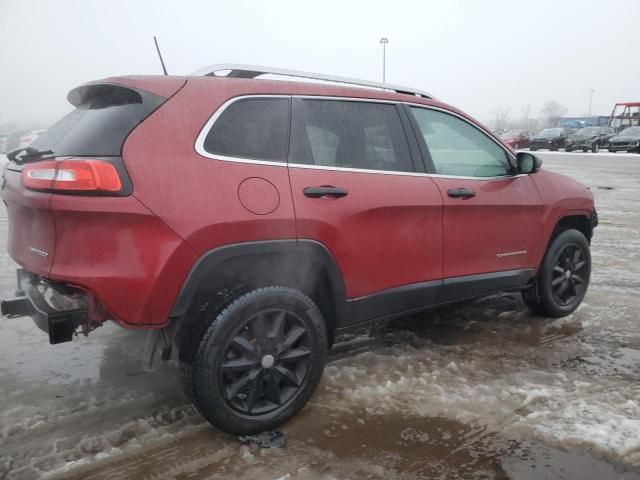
(246, 221)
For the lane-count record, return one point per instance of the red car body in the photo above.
(131, 256)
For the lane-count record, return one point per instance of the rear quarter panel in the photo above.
(117, 249)
(195, 196)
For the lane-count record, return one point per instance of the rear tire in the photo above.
(563, 279)
(259, 360)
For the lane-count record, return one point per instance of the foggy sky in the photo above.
(476, 55)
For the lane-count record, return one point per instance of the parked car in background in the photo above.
(22, 139)
(3, 142)
(589, 138)
(516, 138)
(13, 140)
(574, 125)
(550, 138)
(628, 140)
(29, 137)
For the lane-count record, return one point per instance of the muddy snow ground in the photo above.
(480, 390)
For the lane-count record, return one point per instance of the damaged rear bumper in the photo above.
(32, 302)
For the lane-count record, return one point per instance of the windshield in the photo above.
(550, 132)
(631, 131)
(588, 131)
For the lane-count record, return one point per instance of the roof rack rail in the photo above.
(253, 71)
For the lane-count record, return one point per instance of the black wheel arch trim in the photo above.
(207, 265)
(384, 304)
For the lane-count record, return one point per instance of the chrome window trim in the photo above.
(200, 150)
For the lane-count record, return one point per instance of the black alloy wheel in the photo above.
(258, 361)
(265, 362)
(563, 278)
(567, 283)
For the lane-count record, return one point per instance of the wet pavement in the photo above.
(478, 390)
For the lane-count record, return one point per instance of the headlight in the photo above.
(550, 141)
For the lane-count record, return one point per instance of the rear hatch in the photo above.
(104, 115)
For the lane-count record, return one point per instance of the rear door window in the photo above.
(252, 128)
(103, 118)
(349, 134)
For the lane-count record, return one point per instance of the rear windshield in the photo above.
(103, 117)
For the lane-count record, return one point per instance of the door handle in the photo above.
(461, 193)
(325, 191)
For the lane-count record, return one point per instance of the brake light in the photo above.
(72, 175)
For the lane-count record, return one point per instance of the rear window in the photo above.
(349, 134)
(255, 128)
(103, 117)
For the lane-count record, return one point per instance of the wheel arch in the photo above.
(306, 265)
(582, 223)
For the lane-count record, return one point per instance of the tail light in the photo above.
(86, 175)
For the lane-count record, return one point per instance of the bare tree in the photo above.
(526, 122)
(552, 112)
(500, 119)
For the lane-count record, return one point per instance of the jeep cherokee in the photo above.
(246, 221)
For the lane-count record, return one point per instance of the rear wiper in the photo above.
(29, 154)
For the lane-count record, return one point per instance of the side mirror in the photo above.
(527, 163)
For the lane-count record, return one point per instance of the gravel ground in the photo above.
(479, 390)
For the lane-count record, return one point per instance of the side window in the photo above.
(458, 148)
(349, 134)
(256, 128)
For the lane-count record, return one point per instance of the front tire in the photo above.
(563, 278)
(595, 148)
(259, 361)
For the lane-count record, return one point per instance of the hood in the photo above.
(579, 137)
(625, 139)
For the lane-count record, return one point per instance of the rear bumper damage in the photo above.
(35, 298)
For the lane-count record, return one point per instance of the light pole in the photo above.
(384, 41)
(590, 99)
